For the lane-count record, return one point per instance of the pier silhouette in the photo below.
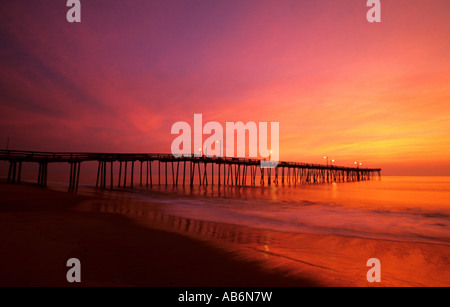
(184, 170)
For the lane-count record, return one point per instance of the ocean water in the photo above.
(413, 209)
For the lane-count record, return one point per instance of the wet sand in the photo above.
(122, 241)
(329, 260)
(40, 232)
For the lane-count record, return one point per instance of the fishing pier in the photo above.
(167, 169)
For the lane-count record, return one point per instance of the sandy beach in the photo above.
(125, 242)
(41, 232)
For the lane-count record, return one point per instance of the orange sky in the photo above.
(338, 85)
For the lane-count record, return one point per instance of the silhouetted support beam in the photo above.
(212, 174)
(233, 174)
(192, 174)
(239, 175)
(219, 174)
(132, 173)
(261, 181)
(104, 174)
(199, 174)
(19, 175)
(10, 171)
(74, 176)
(100, 163)
(173, 175)
(184, 171)
(78, 176)
(71, 176)
(39, 174)
(159, 172)
(252, 175)
(125, 175)
(14, 172)
(225, 182)
(42, 176)
(205, 175)
(112, 174)
(226, 175)
(140, 178)
(147, 173)
(98, 173)
(178, 168)
(45, 174)
(150, 173)
(120, 174)
(165, 171)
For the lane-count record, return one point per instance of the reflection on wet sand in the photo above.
(148, 214)
(333, 260)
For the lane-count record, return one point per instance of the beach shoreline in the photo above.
(122, 241)
(43, 232)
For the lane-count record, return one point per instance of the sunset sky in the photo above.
(378, 93)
